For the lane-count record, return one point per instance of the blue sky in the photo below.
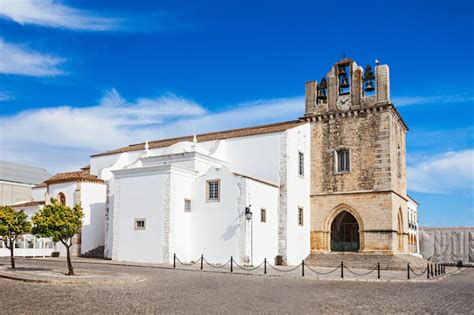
(80, 77)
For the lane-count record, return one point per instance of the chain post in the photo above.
(378, 270)
(427, 271)
(408, 271)
(202, 261)
(342, 270)
(265, 266)
(302, 268)
(174, 260)
(231, 264)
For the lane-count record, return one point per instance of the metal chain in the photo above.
(284, 270)
(322, 273)
(418, 274)
(187, 264)
(360, 274)
(216, 266)
(248, 269)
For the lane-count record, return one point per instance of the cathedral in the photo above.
(333, 180)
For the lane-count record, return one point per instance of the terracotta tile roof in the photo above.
(78, 176)
(219, 135)
(41, 185)
(27, 204)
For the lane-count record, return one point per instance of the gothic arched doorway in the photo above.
(345, 233)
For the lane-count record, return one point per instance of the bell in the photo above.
(342, 70)
(323, 84)
(369, 86)
(344, 83)
(322, 94)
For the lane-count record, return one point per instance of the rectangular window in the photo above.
(342, 161)
(300, 164)
(140, 224)
(300, 216)
(187, 205)
(263, 215)
(213, 192)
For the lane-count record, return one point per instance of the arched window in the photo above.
(61, 198)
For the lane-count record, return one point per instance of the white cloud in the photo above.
(5, 96)
(15, 59)
(50, 13)
(444, 173)
(440, 99)
(62, 138)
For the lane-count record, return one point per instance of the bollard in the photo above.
(431, 267)
(174, 260)
(265, 266)
(408, 271)
(444, 269)
(436, 270)
(302, 268)
(231, 264)
(427, 271)
(202, 260)
(378, 270)
(342, 270)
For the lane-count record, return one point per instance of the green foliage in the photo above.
(57, 221)
(13, 223)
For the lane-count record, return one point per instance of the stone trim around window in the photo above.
(208, 191)
(140, 224)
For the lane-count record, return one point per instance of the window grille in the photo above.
(300, 164)
(343, 163)
(300, 216)
(263, 215)
(213, 193)
(187, 205)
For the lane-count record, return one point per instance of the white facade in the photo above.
(413, 227)
(259, 170)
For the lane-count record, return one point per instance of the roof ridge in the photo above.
(218, 135)
(221, 131)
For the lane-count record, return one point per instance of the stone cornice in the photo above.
(355, 192)
(335, 114)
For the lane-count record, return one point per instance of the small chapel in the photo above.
(331, 181)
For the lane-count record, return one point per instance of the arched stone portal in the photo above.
(345, 233)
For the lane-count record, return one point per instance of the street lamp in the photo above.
(248, 216)
(248, 213)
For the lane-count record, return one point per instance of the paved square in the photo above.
(177, 291)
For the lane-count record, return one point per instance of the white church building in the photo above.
(333, 180)
(189, 196)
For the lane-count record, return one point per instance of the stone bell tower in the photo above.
(358, 166)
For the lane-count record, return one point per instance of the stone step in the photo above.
(367, 261)
(97, 252)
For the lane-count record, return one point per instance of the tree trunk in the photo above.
(68, 257)
(69, 263)
(12, 257)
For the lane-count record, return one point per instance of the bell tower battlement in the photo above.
(347, 86)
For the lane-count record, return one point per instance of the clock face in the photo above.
(344, 102)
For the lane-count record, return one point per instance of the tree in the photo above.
(61, 223)
(12, 224)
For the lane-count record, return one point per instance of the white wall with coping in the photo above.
(264, 241)
(68, 189)
(298, 191)
(93, 196)
(215, 225)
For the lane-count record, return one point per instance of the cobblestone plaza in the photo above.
(182, 291)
